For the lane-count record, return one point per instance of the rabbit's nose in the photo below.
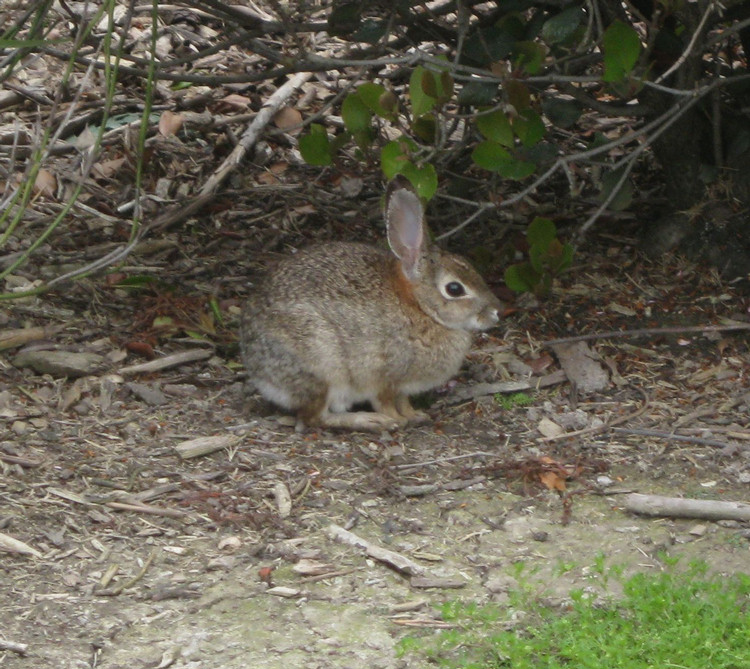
(496, 310)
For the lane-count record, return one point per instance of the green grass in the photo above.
(510, 402)
(667, 621)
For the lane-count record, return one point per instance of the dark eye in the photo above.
(455, 289)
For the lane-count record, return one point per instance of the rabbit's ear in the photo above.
(404, 220)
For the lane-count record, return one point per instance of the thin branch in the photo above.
(691, 45)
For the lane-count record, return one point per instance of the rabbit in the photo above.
(344, 323)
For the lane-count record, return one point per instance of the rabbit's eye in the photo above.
(455, 289)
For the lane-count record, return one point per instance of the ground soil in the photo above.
(215, 569)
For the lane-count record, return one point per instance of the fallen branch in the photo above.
(678, 507)
(646, 332)
(391, 558)
(482, 389)
(168, 361)
(673, 436)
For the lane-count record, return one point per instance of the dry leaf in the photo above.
(620, 309)
(231, 543)
(170, 123)
(287, 118)
(549, 428)
(107, 168)
(552, 481)
(267, 179)
(234, 101)
(538, 365)
(279, 167)
(45, 183)
(307, 567)
(86, 139)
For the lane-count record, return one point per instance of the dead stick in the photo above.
(644, 332)
(116, 591)
(144, 508)
(643, 432)
(168, 361)
(20, 648)
(252, 132)
(678, 507)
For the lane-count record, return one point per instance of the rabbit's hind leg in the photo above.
(314, 411)
(413, 417)
(398, 407)
(365, 421)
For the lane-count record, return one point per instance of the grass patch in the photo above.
(672, 620)
(514, 401)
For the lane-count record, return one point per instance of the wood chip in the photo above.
(391, 558)
(582, 366)
(283, 499)
(281, 591)
(8, 543)
(194, 448)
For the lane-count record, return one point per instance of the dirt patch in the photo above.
(146, 559)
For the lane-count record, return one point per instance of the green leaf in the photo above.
(445, 88)
(421, 103)
(624, 197)
(517, 169)
(394, 155)
(425, 127)
(373, 96)
(424, 179)
(518, 94)
(496, 126)
(371, 31)
(355, 113)
(345, 18)
(562, 26)
(488, 45)
(541, 232)
(314, 147)
(521, 278)
(490, 156)
(477, 94)
(137, 281)
(529, 127)
(529, 56)
(562, 113)
(621, 46)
